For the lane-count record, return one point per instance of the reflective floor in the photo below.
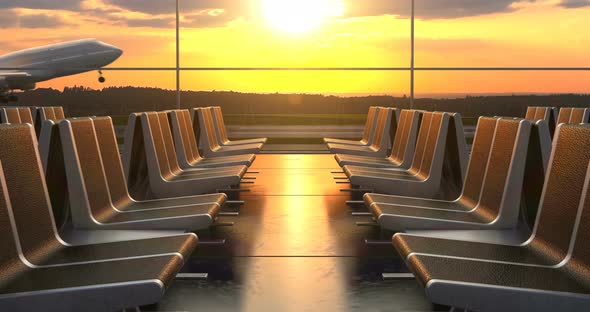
(295, 247)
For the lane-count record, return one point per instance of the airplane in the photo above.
(26, 68)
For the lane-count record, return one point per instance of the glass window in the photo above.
(144, 30)
(501, 34)
(267, 33)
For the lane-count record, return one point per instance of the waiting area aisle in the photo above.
(295, 247)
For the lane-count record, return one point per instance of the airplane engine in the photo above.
(24, 86)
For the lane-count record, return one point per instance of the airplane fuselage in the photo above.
(54, 61)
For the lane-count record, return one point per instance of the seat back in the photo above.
(10, 115)
(401, 133)
(531, 111)
(381, 138)
(379, 128)
(579, 265)
(184, 138)
(219, 123)
(28, 198)
(192, 138)
(47, 113)
(549, 114)
(480, 153)
(404, 144)
(155, 146)
(455, 157)
(10, 263)
(421, 142)
(535, 168)
(580, 115)
(222, 126)
(168, 142)
(564, 183)
(135, 163)
(109, 152)
(435, 138)
(502, 183)
(58, 112)
(87, 182)
(52, 159)
(565, 113)
(573, 115)
(25, 115)
(393, 125)
(208, 139)
(369, 124)
(374, 123)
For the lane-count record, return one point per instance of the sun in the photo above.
(297, 16)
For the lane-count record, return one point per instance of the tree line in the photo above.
(82, 101)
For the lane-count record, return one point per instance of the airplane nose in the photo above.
(118, 52)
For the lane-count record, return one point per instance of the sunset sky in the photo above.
(326, 33)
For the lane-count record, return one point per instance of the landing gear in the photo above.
(101, 79)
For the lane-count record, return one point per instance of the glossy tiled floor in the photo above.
(295, 247)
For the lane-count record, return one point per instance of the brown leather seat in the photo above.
(43, 113)
(469, 197)
(381, 141)
(209, 143)
(402, 152)
(221, 131)
(547, 273)
(573, 115)
(367, 132)
(168, 141)
(9, 115)
(549, 114)
(187, 151)
(498, 203)
(424, 177)
(554, 225)
(109, 152)
(160, 174)
(91, 203)
(58, 111)
(67, 277)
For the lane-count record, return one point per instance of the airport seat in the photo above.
(109, 155)
(553, 224)
(484, 285)
(16, 115)
(404, 145)
(549, 114)
(437, 169)
(187, 151)
(203, 126)
(58, 111)
(221, 131)
(367, 133)
(88, 193)
(9, 115)
(381, 138)
(164, 177)
(573, 115)
(58, 277)
(43, 113)
(173, 159)
(496, 205)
